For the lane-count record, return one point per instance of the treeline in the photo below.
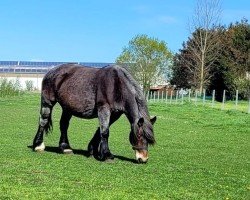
(226, 65)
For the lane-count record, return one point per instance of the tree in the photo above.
(235, 58)
(204, 42)
(147, 59)
(190, 68)
(181, 74)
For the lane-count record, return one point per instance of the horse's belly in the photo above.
(86, 114)
(83, 107)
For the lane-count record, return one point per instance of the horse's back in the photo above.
(81, 90)
(73, 86)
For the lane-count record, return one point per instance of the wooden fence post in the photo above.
(236, 99)
(166, 96)
(176, 96)
(204, 96)
(213, 98)
(147, 96)
(182, 97)
(189, 95)
(196, 96)
(171, 96)
(223, 100)
(249, 106)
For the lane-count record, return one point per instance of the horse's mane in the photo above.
(141, 102)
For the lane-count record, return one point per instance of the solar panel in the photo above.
(39, 67)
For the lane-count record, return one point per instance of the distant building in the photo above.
(34, 71)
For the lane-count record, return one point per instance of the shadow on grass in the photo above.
(84, 153)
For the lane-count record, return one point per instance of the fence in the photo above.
(183, 96)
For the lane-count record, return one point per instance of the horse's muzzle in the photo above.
(140, 161)
(141, 156)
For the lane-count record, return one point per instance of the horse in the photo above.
(104, 93)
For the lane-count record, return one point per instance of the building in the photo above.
(24, 71)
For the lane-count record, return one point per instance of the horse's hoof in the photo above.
(40, 148)
(110, 156)
(106, 156)
(67, 151)
(89, 154)
(110, 160)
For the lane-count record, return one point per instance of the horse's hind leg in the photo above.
(45, 124)
(64, 124)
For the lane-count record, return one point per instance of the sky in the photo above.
(96, 30)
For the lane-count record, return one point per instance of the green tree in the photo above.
(148, 59)
(182, 76)
(192, 66)
(233, 66)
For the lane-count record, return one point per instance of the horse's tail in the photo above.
(49, 126)
(46, 114)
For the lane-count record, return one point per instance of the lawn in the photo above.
(201, 153)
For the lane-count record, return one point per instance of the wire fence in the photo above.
(197, 98)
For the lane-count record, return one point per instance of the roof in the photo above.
(34, 67)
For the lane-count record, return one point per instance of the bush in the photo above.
(9, 87)
(29, 85)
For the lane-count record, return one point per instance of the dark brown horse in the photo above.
(87, 92)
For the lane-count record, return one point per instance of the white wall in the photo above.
(37, 80)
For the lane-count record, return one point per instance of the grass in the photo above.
(201, 153)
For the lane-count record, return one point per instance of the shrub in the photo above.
(29, 85)
(9, 87)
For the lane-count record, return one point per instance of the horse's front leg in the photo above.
(104, 118)
(94, 146)
(64, 141)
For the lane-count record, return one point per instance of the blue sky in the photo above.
(95, 31)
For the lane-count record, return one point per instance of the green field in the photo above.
(201, 153)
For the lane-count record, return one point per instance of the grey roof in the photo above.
(39, 67)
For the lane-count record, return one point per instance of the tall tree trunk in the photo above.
(202, 72)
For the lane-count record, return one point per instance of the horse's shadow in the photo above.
(84, 153)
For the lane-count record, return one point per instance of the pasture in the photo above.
(201, 153)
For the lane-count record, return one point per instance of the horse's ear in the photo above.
(153, 120)
(140, 121)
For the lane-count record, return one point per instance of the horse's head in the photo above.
(140, 136)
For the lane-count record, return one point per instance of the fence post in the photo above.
(196, 96)
(171, 96)
(236, 99)
(249, 106)
(147, 95)
(166, 96)
(182, 97)
(189, 95)
(223, 100)
(213, 98)
(204, 96)
(176, 96)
